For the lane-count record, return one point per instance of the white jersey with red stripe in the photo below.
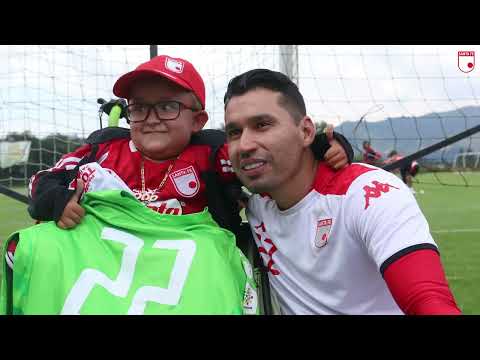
(183, 191)
(327, 253)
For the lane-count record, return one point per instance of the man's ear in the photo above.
(307, 128)
(199, 120)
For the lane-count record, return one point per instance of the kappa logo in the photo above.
(186, 181)
(466, 61)
(174, 65)
(323, 232)
(376, 192)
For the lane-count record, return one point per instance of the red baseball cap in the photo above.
(178, 70)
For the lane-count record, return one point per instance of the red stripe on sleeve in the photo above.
(418, 284)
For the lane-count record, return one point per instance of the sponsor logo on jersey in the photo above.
(375, 191)
(186, 181)
(146, 197)
(170, 207)
(323, 232)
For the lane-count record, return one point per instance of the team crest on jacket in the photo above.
(186, 181)
(323, 232)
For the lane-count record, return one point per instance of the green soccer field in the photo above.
(13, 215)
(453, 214)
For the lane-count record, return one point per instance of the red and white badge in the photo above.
(174, 65)
(323, 232)
(466, 61)
(186, 181)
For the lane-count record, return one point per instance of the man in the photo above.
(407, 172)
(370, 156)
(346, 242)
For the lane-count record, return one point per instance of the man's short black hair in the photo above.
(291, 98)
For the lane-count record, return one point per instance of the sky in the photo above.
(54, 88)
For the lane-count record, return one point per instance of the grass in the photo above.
(13, 215)
(453, 214)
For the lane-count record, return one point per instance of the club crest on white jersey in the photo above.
(323, 232)
(186, 181)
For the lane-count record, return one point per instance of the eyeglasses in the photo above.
(165, 110)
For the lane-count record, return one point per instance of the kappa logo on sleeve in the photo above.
(376, 191)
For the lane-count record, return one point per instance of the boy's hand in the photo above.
(73, 212)
(336, 157)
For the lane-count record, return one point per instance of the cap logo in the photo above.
(174, 65)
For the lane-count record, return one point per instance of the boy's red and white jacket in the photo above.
(183, 191)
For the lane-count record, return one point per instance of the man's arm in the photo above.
(396, 235)
(418, 284)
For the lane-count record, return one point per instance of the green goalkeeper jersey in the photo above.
(126, 259)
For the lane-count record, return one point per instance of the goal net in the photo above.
(408, 97)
